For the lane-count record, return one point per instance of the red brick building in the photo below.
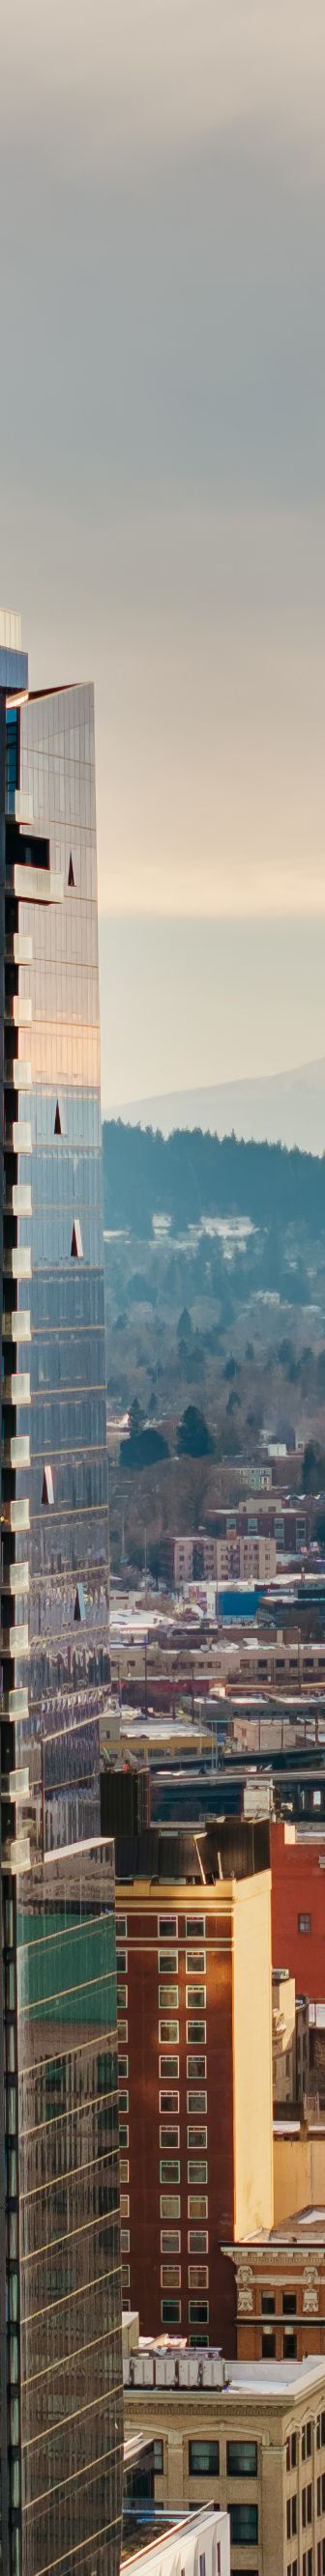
(195, 2068)
(298, 1908)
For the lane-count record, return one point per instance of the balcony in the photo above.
(17, 1073)
(18, 1010)
(18, 1137)
(18, 1200)
(35, 885)
(18, 951)
(16, 1452)
(17, 1264)
(15, 1579)
(15, 1516)
(16, 1856)
(16, 1389)
(15, 1641)
(16, 1327)
(15, 1703)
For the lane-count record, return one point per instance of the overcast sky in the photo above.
(162, 494)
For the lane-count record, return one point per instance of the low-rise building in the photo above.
(198, 2544)
(250, 2436)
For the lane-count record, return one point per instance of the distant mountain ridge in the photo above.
(286, 1108)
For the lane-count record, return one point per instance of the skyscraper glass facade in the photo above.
(60, 2391)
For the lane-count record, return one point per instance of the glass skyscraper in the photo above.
(60, 2282)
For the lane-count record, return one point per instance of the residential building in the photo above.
(195, 2066)
(280, 2279)
(298, 1905)
(250, 2436)
(198, 2544)
(61, 2368)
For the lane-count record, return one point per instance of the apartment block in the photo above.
(195, 2067)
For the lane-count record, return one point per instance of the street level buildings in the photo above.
(60, 2340)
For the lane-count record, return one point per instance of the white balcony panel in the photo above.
(18, 1579)
(16, 1452)
(23, 806)
(21, 1198)
(19, 1784)
(17, 1264)
(16, 1389)
(37, 885)
(15, 1516)
(18, 1640)
(17, 1326)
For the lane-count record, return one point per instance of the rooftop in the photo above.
(192, 2371)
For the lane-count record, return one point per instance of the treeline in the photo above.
(191, 1174)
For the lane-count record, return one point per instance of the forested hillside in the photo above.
(191, 1175)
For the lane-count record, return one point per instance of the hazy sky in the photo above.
(162, 483)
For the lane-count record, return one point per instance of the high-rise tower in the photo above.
(60, 2343)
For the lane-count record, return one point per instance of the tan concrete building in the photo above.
(250, 2437)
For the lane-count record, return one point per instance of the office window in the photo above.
(168, 1998)
(197, 2137)
(197, 2240)
(169, 2102)
(291, 2517)
(168, 1963)
(123, 2099)
(242, 2459)
(170, 2206)
(158, 2457)
(125, 2269)
(197, 2170)
(124, 2204)
(321, 2558)
(121, 1996)
(169, 2169)
(121, 1962)
(197, 2102)
(124, 2133)
(170, 2312)
(125, 2240)
(170, 2241)
(268, 2344)
(268, 2303)
(203, 2459)
(168, 2030)
(168, 1927)
(124, 2169)
(196, 2068)
(195, 1998)
(168, 2136)
(195, 1963)
(306, 2442)
(198, 2277)
(306, 2506)
(289, 2303)
(291, 2453)
(198, 2310)
(195, 1927)
(168, 2067)
(304, 1922)
(121, 1927)
(197, 2205)
(196, 2031)
(123, 2067)
(170, 2276)
(243, 2524)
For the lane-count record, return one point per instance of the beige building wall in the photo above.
(299, 2173)
(252, 2055)
(178, 2417)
